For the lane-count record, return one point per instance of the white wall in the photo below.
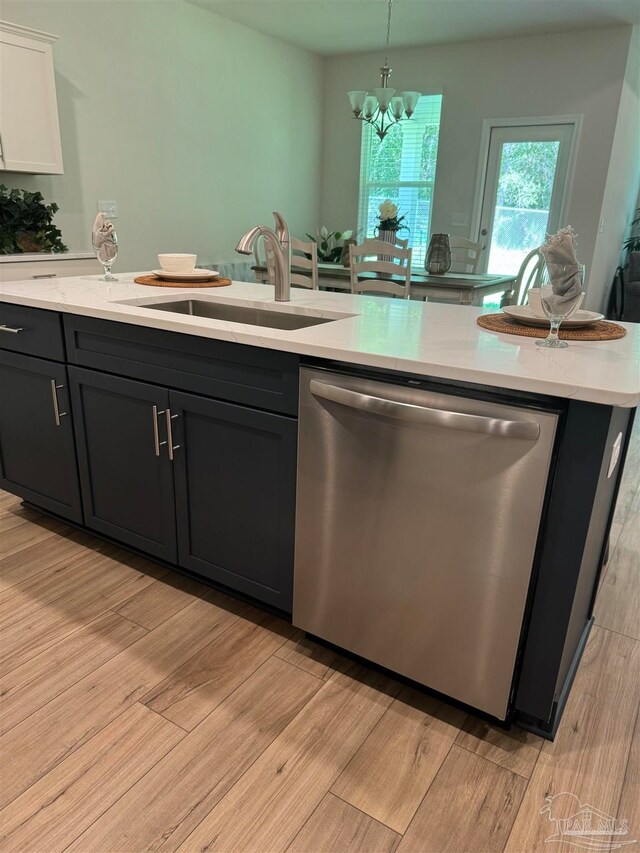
(623, 180)
(197, 126)
(577, 72)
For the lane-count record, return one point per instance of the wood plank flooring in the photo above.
(141, 711)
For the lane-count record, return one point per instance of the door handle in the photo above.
(410, 413)
(10, 329)
(170, 445)
(57, 414)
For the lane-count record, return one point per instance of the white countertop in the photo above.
(436, 340)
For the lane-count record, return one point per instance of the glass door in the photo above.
(524, 192)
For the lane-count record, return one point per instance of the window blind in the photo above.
(402, 167)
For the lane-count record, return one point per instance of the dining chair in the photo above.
(465, 255)
(300, 261)
(529, 275)
(361, 262)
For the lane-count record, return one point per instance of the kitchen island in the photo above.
(151, 416)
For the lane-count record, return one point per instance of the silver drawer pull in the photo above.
(157, 444)
(57, 414)
(10, 329)
(171, 446)
(46, 275)
(408, 412)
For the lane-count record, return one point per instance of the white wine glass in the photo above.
(105, 244)
(556, 310)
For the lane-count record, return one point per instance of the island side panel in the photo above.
(575, 535)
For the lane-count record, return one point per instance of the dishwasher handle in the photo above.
(410, 413)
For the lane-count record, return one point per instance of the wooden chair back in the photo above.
(300, 261)
(399, 266)
(465, 255)
(529, 275)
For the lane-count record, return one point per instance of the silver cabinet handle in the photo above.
(46, 275)
(419, 414)
(10, 329)
(57, 414)
(157, 444)
(170, 445)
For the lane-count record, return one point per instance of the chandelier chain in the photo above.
(386, 58)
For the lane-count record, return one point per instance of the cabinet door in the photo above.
(235, 495)
(30, 133)
(37, 454)
(125, 471)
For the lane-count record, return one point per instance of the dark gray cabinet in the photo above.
(37, 452)
(148, 456)
(125, 471)
(235, 495)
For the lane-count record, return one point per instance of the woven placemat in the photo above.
(154, 281)
(602, 330)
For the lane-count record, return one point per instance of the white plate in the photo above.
(193, 275)
(523, 314)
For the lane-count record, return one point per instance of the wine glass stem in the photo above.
(554, 326)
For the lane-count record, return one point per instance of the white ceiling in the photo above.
(346, 26)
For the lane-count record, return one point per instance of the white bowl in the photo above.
(177, 262)
(535, 296)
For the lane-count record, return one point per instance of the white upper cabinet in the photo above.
(29, 129)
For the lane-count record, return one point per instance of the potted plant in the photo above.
(389, 223)
(632, 243)
(26, 223)
(331, 244)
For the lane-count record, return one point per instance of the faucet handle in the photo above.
(282, 229)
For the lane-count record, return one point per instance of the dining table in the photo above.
(454, 287)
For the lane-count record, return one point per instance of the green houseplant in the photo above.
(632, 243)
(26, 223)
(330, 244)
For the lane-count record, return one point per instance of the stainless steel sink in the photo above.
(240, 314)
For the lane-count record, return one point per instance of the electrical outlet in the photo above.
(109, 208)
(459, 220)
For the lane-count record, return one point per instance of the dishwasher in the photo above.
(416, 526)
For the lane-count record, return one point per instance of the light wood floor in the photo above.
(143, 711)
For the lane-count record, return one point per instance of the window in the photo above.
(402, 167)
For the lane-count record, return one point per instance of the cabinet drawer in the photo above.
(60, 267)
(31, 331)
(265, 379)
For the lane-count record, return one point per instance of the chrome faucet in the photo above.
(280, 244)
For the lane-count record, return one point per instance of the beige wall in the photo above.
(623, 180)
(577, 72)
(197, 126)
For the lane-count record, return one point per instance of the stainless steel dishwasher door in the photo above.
(416, 526)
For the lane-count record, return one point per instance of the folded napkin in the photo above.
(565, 272)
(104, 240)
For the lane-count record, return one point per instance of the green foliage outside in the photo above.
(26, 223)
(527, 173)
(386, 157)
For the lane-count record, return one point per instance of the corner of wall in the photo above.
(622, 187)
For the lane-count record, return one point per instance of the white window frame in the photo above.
(362, 224)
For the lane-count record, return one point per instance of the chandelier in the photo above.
(382, 108)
